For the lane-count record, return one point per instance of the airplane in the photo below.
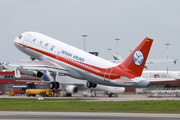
(118, 60)
(51, 55)
(156, 76)
(3, 68)
(72, 85)
(161, 74)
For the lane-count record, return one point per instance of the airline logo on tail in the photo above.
(138, 58)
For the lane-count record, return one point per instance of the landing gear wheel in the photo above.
(89, 84)
(51, 85)
(94, 85)
(56, 85)
(110, 95)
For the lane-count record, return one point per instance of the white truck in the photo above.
(89, 93)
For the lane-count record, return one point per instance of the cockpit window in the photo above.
(20, 36)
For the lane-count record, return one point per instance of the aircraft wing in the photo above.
(44, 65)
(32, 81)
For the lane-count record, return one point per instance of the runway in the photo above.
(21, 115)
(6, 115)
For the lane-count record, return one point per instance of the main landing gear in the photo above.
(90, 84)
(53, 85)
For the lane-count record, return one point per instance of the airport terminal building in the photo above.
(8, 80)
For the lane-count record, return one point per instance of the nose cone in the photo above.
(16, 41)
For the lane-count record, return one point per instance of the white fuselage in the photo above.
(70, 53)
(161, 74)
(80, 64)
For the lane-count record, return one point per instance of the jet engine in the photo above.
(115, 89)
(111, 89)
(71, 89)
(34, 73)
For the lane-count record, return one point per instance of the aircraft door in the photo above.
(107, 74)
(57, 55)
(27, 39)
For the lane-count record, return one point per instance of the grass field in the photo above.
(76, 105)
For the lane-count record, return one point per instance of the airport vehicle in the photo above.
(56, 93)
(55, 56)
(1, 92)
(42, 92)
(13, 92)
(88, 93)
(65, 94)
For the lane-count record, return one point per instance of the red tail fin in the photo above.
(137, 58)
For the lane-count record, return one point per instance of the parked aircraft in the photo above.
(55, 56)
(156, 75)
(3, 68)
(161, 74)
(148, 62)
(72, 85)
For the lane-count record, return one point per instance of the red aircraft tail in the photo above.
(137, 58)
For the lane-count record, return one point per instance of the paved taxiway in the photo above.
(6, 115)
(101, 97)
(84, 116)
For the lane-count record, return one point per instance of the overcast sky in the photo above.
(101, 20)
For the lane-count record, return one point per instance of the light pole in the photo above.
(109, 52)
(167, 56)
(84, 42)
(117, 46)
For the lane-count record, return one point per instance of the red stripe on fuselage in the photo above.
(112, 74)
